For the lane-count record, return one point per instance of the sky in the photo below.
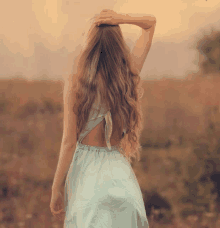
(34, 32)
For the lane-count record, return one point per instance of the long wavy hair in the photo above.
(105, 71)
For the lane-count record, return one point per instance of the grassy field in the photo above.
(179, 172)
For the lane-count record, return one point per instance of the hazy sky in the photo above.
(55, 20)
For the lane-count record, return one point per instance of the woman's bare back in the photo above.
(96, 137)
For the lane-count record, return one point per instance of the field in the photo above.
(179, 173)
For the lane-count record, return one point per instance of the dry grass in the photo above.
(180, 152)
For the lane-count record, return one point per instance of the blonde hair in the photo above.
(105, 70)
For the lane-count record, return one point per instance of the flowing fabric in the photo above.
(101, 189)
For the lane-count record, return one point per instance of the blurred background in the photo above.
(179, 171)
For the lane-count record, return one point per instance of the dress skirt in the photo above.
(102, 191)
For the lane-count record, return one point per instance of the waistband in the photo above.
(80, 145)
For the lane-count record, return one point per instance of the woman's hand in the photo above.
(109, 17)
(57, 204)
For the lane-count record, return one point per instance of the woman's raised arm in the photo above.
(143, 44)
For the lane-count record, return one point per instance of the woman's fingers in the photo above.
(58, 212)
(60, 216)
(105, 16)
(105, 10)
(98, 22)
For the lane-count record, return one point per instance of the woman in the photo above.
(102, 125)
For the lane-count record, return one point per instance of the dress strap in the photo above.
(108, 129)
(92, 123)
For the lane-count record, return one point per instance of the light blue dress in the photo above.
(101, 189)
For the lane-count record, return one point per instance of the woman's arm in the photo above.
(145, 21)
(110, 17)
(143, 44)
(69, 139)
